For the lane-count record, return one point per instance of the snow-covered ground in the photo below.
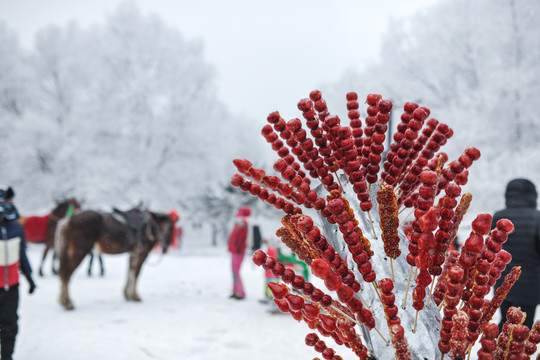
(185, 313)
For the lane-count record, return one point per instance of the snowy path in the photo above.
(185, 314)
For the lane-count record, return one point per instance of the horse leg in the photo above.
(45, 252)
(130, 292)
(54, 262)
(68, 264)
(136, 259)
(90, 264)
(102, 267)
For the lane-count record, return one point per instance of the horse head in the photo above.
(163, 228)
(64, 208)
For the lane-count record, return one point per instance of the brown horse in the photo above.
(135, 231)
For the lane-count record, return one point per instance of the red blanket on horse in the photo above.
(35, 227)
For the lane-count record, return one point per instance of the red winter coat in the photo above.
(238, 237)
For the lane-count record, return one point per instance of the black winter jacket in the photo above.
(524, 243)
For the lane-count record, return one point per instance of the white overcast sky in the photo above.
(268, 54)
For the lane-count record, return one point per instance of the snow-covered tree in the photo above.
(122, 112)
(476, 66)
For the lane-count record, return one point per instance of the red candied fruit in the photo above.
(320, 268)
(242, 165)
(296, 302)
(305, 223)
(428, 177)
(505, 225)
(336, 206)
(456, 273)
(279, 291)
(345, 294)
(474, 244)
(259, 257)
(473, 152)
(288, 276)
(386, 285)
(237, 180)
(310, 311)
(332, 282)
(482, 224)
(311, 339)
(316, 95)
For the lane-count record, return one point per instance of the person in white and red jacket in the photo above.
(12, 260)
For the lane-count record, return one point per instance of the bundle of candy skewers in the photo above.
(392, 288)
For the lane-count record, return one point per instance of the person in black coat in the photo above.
(524, 246)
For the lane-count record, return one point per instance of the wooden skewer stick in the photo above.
(357, 323)
(377, 291)
(378, 332)
(430, 291)
(440, 305)
(407, 289)
(372, 227)
(415, 321)
(339, 181)
(365, 303)
(409, 214)
(392, 267)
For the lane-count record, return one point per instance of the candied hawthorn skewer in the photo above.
(458, 340)
(459, 213)
(468, 259)
(377, 147)
(440, 289)
(389, 222)
(454, 288)
(502, 259)
(321, 269)
(260, 258)
(353, 168)
(294, 304)
(427, 157)
(511, 340)
(356, 123)
(493, 252)
(427, 222)
(326, 146)
(320, 346)
(263, 194)
(488, 341)
(478, 286)
(422, 238)
(304, 225)
(446, 207)
(500, 293)
(418, 144)
(457, 169)
(394, 322)
(407, 131)
(309, 155)
(357, 244)
(533, 340)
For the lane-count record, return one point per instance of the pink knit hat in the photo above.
(244, 211)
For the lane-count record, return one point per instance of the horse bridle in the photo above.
(161, 235)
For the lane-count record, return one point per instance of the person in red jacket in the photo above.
(238, 240)
(12, 259)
